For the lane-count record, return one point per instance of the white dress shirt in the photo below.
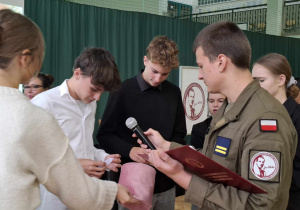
(77, 125)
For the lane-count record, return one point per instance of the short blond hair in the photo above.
(163, 51)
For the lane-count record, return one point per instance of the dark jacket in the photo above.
(293, 109)
(199, 131)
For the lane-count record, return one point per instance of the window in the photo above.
(205, 2)
(177, 10)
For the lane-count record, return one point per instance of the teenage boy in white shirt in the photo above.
(73, 104)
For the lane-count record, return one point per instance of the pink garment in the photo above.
(139, 178)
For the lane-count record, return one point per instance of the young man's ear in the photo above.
(77, 73)
(145, 60)
(222, 61)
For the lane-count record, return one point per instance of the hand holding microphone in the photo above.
(131, 123)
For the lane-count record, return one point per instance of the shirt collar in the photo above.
(233, 114)
(64, 90)
(144, 85)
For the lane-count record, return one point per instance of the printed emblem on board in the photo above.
(194, 101)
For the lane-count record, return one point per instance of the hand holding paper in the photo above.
(113, 162)
(93, 168)
(207, 169)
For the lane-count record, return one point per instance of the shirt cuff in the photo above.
(196, 191)
(100, 154)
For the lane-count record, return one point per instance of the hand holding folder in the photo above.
(197, 163)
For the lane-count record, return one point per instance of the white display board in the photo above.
(194, 95)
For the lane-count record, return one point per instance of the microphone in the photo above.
(131, 123)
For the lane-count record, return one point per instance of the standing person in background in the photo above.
(250, 123)
(73, 104)
(33, 148)
(199, 130)
(275, 75)
(38, 84)
(153, 102)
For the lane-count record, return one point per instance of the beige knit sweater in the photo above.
(33, 151)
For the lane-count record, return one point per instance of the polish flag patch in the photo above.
(268, 125)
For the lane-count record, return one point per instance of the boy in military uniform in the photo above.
(251, 134)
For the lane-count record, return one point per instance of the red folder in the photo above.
(197, 163)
